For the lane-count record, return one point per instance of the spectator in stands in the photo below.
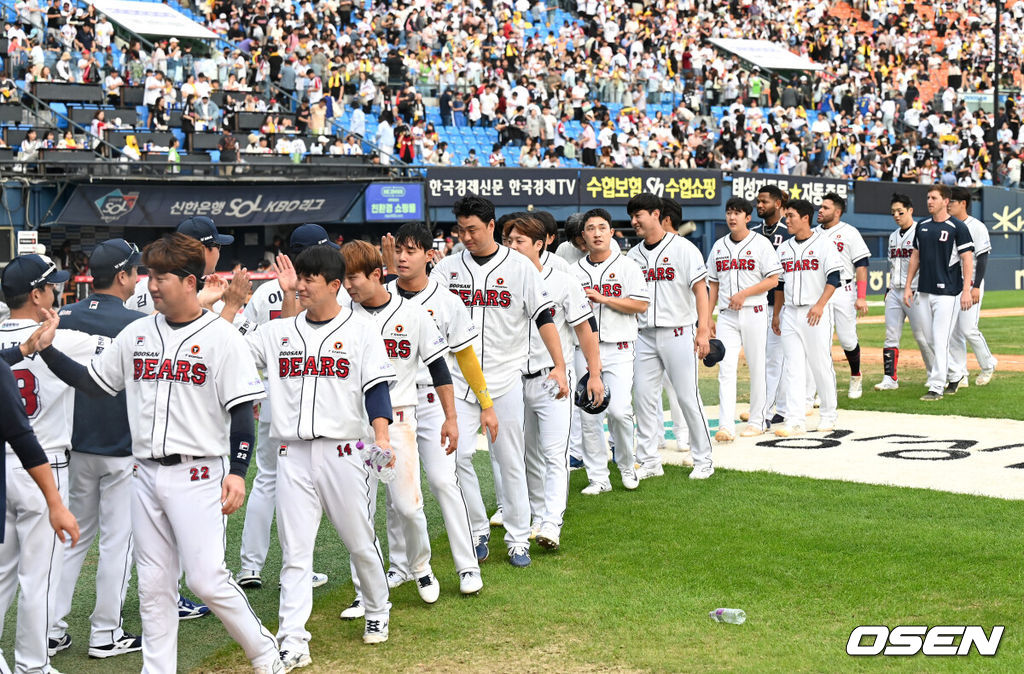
(496, 158)
(207, 115)
(112, 84)
(302, 116)
(357, 122)
(68, 142)
(471, 158)
(385, 140)
(318, 118)
(29, 149)
(130, 151)
(228, 147)
(352, 146)
(174, 156)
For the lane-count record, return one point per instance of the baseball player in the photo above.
(190, 384)
(547, 420)
(571, 250)
(266, 305)
(503, 292)
(770, 205)
(966, 330)
(618, 293)
(329, 374)
(944, 254)
(811, 272)
(675, 327)
(671, 221)
(849, 300)
(742, 267)
(547, 258)
(901, 246)
(101, 464)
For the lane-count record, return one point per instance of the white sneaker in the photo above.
(497, 519)
(986, 375)
(595, 488)
(750, 432)
(629, 479)
(887, 384)
(787, 431)
(354, 610)
(826, 426)
(686, 459)
(724, 435)
(319, 579)
(249, 578)
(644, 472)
(275, 667)
(548, 536)
(702, 472)
(535, 529)
(856, 387)
(295, 660)
(396, 579)
(470, 582)
(376, 632)
(428, 587)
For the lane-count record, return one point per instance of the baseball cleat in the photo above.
(188, 609)
(644, 472)
(777, 419)
(952, 386)
(470, 582)
(428, 587)
(887, 384)
(519, 556)
(595, 488)
(702, 472)
(575, 463)
(826, 426)
(376, 632)
(128, 643)
(985, 377)
(817, 401)
(275, 667)
(548, 536)
(395, 579)
(293, 660)
(744, 416)
(750, 432)
(534, 529)
(498, 518)
(856, 387)
(629, 479)
(787, 431)
(482, 553)
(249, 579)
(724, 436)
(319, 579)
(931, 396)
(55, 646)
(354, 610)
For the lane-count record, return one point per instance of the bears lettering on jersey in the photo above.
(311, 366)
(480, 298)
(895, 253)
(149, 369)
(746, 264)
(609, 289)
(800, 265)
(660, 274)
(398, 348)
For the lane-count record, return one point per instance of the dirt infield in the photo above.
(985, 313)
(869, 354)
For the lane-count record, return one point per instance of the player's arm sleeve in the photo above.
(375, 367)
(469, 364)
(12, 356)
(538, 300)
(15, 428)
(378, 402)
(433, 346)
(964, 240)
(859, 251)
(576, 305)
(833, 279)
(237, 380)
(863, 262)
(543, 318)
(439, 373)
(75, 374)
(698, 270)
(980, 264)
(982, 242)
(242, 438)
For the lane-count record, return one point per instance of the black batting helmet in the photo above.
(582, 398)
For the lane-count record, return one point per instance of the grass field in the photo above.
(807, 559)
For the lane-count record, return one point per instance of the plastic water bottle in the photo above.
(734, 616)
(377, 459)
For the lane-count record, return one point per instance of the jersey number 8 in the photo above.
(28, 387)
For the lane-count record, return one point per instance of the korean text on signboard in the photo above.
(617, 187)
(394, 201)
(504, 187)
(812, 189)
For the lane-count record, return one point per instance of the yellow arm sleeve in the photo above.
(470, 366)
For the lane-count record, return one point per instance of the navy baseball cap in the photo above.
(114, 255)
(716, 352)
(202, 229)
(25, 273)
(309, 235)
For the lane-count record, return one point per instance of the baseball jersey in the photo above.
(737, 265)
(180, 383)
(142, 301)
(549, 259)
(411, 340)
(571, 254)
(982, 241)
(265, 303)
(453, 321)
(901, 246)
(49, 402)
(805, 267)
(504, 294)
(850, 245)
(776, 235)
(670, 269)
(939, 245)
(617, 276)
(571, 307)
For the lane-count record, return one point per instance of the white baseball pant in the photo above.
(895, 312)
(576, 425)
(617, 370)
(509, 453)
(100, 498)
(774, 364)
(317, 477)
(404, 502)
(31, 557)
(444, 484)
(941, 313)
(176, 513)
(668, 351)
(547, 426)
(966, 332)
(742, 329)
(259, 506)
(843, 305)
(807, 347)
(679, 429)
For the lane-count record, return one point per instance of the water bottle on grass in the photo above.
(734, 616)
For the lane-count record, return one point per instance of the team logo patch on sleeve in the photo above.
(94, 304)
(282, 450)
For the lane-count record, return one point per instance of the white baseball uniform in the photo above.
(966, 330)
(503, 292)
(455, 324)
(618, 276)
(554, 261)
(735, 266)
(805, 267)
(665, 346)
(775, 359)
(264, 305)
(31, 556)
(852, 249)
(568, 252)
(317, 375)
(411, 340)
(901, 246)
(181, 381)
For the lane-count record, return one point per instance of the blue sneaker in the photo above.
(188, 609)
(482, 553)
(575, 463)
(519, 555)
